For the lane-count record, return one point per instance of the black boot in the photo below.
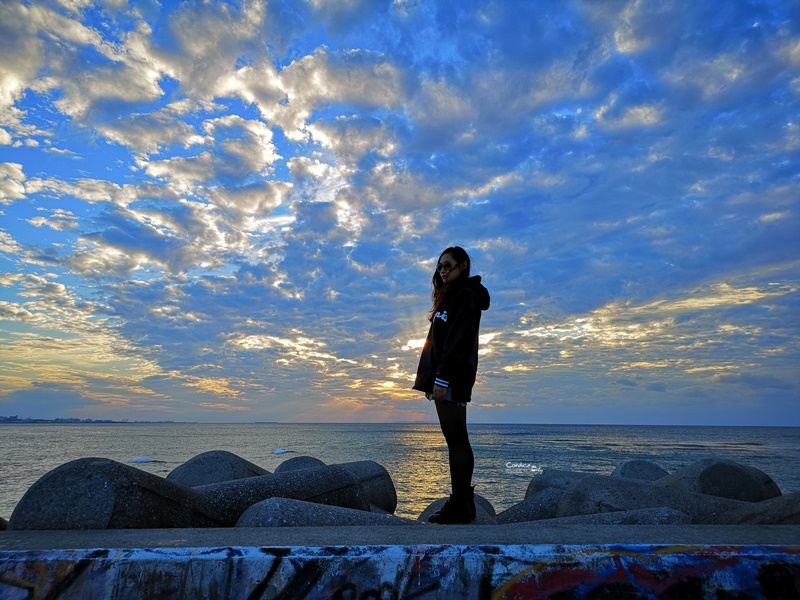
(471, 501)
(457, 510)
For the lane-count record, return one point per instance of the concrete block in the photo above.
(335, 485)
(213, 467)
(376, 484)
(783, 510)
(553, 478)
(299, 462)
(640, 469)
(286, 512)
(598, 494)
(725, 478)
(484, 511)
(642, 516)
(98, 493)
(539, 505)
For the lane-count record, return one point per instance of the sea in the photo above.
(507, 456)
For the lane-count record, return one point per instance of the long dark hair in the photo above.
(442, 291)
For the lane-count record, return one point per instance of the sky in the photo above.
(231, 211)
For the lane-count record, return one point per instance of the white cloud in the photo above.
(12, 182)
(150, 133)
(59, 220)
(247, 142)
(248, 201)
(21, 52)
(643, 24)
(241, 147)
(356, 78)
(353, 137)
(88, 190)
(632, 116)
(106, 86)
(250, 204)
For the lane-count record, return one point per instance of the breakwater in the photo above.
(223, 527)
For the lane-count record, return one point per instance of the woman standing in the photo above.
(447, 370)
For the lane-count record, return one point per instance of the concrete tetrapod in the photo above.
(536, 506)
(640, 469)
(724, 478)
(298, 462)
(284, 512)
(98, 493)
(376, 484)
(600, 493)
(641, 516)
(553, 478)
(335, 485)
(485, 513)
(783, 510)
(214, 466)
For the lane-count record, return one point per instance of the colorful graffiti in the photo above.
(405, 572)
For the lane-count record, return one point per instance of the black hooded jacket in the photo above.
(450, 355)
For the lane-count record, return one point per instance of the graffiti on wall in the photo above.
(406, 572)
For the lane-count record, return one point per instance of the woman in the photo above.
(447, 369)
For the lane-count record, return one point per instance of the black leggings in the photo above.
(453, 421)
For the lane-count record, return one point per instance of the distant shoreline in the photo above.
(13, 420)
(74, 421)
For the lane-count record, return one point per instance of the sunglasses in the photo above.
(445, 266)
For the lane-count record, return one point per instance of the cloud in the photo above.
(241, 147)
(21, 54)
(12, 182)
(59, 221)
(218, 208)
(360, 79)
(351, 138)
(754, 380)
(150, 133)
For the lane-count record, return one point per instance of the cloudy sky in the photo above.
(230, 211)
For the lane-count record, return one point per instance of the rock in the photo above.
(3, 524)
(299, 462)
(286, 512)
(98, 493)
(539, 505)
(640, 469)
(213, 467)
(553, 478)
(723, 478)
(350, 485)
(484, 511)
(642, 516)
(599, 494)
(783, 510)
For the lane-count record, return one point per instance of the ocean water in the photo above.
(506, 456)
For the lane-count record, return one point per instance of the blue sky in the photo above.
(230, 211)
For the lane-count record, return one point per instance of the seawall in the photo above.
(523, 560)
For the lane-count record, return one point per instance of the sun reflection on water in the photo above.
(419, 469)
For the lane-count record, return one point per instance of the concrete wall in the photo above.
(628, 571)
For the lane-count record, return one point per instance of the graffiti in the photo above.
(635, 575)
(545, 572)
